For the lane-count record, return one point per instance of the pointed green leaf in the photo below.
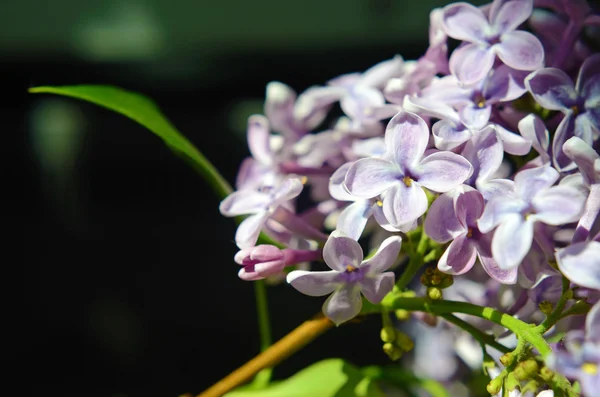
(145, 112)
(327, 378)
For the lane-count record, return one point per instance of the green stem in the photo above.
(264, 328)
(415, 262)
(522, 329)
(555, 316)
(480, 336)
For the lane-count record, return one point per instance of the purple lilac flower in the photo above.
(580, 263)
(265, 261)
(534, 200)
(349, 276)
(533, 128)
(401, 174)
(260, 204)
(485, 38)
(453, 217)
(578, 358)
(553, 89)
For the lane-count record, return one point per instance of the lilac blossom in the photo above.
(349, 276)
(485, 38)
(553, 89)
(265, 261)
(580, 262)
(260, 204)
(578, 356)
(400, 175)
(453, 217)
(534, 200)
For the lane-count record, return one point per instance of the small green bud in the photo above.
(546, 374)
(393, 352)
(447, 281)
(512, 382)
(402, 314)
(404, 342)
(388, 334)
(530, 387)
(436, 279)
(526, 369)
(425, 280)
(506, 359)
(495, 385)
(546, 307)
(434, 293)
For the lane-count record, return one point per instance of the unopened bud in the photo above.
(526, 369)
(506, 359)
(260, 262)
(546, 374)
(402, 314)
(393, 352)
(434, 293)
(495, 385)
(511, 382)
(388, 334)
(404, 342)
(546, 307)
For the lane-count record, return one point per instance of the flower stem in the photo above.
(481, 337)
(288, 345)
(264, 328)
(555, 316)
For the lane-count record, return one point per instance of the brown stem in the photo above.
(285, 347)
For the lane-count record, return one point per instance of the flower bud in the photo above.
(511, 382)
(495, 385)
(404, 342)
(260, 262)
(393, 352)
(506, 359)
(434, 293)
(402, 314)
(526, 369)
(545, 307)
(388, 334)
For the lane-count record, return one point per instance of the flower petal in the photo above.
(533, 128)
(385, 256)
(471, 63)
(551, 88)
(353, 219)
(375, 288)
(459, 257)
(379, 74)
(475, 117)
(443, 171)
(584, 156)
(340, 251)
(498, 210)
(564, 131)
(243, 202)
(337, 189)
(511, 142)
(371, 176)
(441, 223)
(520, 50)
(511, 14)
(588, 81)
(344, 304)
(314, 283)
(469, 206)
(504, 84)
(580, 263)
(406, 138)
(287, 190)
(448, 135)
(496, 188)
(558, 205)
(464, 22)
(592, 323)
(247, 232)
(529, 182)
(258, 138)
(484, 253)
(512, 241)
(485, 153)
(403, 204)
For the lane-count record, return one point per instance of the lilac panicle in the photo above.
(534, 200)
(553, 89)
(453, 217)
(349, 276)
(400, 175)
(485, 38)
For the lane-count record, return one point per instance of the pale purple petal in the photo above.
(469, 206)
(385, 256)
(520, 50)
(279, 105)
(344, 304)
(441, 224)
(512, 143)
(386, 225)
(471, 63)
(314, 283)
(584, 156)
(353, 219)
(442, 171)
(511, 14)
(512, 241)
(258, 139)
(375, 288)
(580, 263)
(459, 257)
(496, 188)
(533, 180)
(287, 190)
(592, 323)
(485, 153)
(504, 84)
(360, 100)
(552, 89)
(564, 131)
(379, 74)
(243, 202)
(499, 210)
(588, 81)
(474, 116)
(484, 253)
(533, 128)
(337, 189)
(340, 251)
(464, 22)
(447, 135)
(247, 232)
(402, 204)
(371, 176)
(429, 107)
(315, 98)
(558, 205)
(406, 138)
(590, 214)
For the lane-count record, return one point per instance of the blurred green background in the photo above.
(126, 283)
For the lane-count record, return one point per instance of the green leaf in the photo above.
(145, 112)
(327, 378)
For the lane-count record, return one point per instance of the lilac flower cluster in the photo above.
(490, 151)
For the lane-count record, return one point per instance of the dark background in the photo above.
(125, 283)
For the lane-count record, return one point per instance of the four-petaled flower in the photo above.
(350, 275)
